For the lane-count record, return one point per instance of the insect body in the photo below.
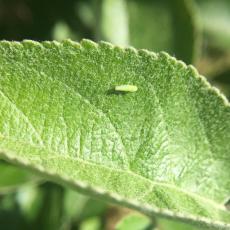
(126, 88)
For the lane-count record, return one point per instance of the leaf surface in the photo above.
(163, 150)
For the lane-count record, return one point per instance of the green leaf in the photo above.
(158, 25)
(12, 177)
(163, 150)
(134, 222)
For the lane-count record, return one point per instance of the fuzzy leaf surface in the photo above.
(163, 150)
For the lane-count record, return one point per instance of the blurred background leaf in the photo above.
(135, 221)
(13, 177)
(166, 25)
(215, 15)
(215, 59)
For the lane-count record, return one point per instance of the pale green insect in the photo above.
(126, 88)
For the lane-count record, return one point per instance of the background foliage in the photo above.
(196, 32)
